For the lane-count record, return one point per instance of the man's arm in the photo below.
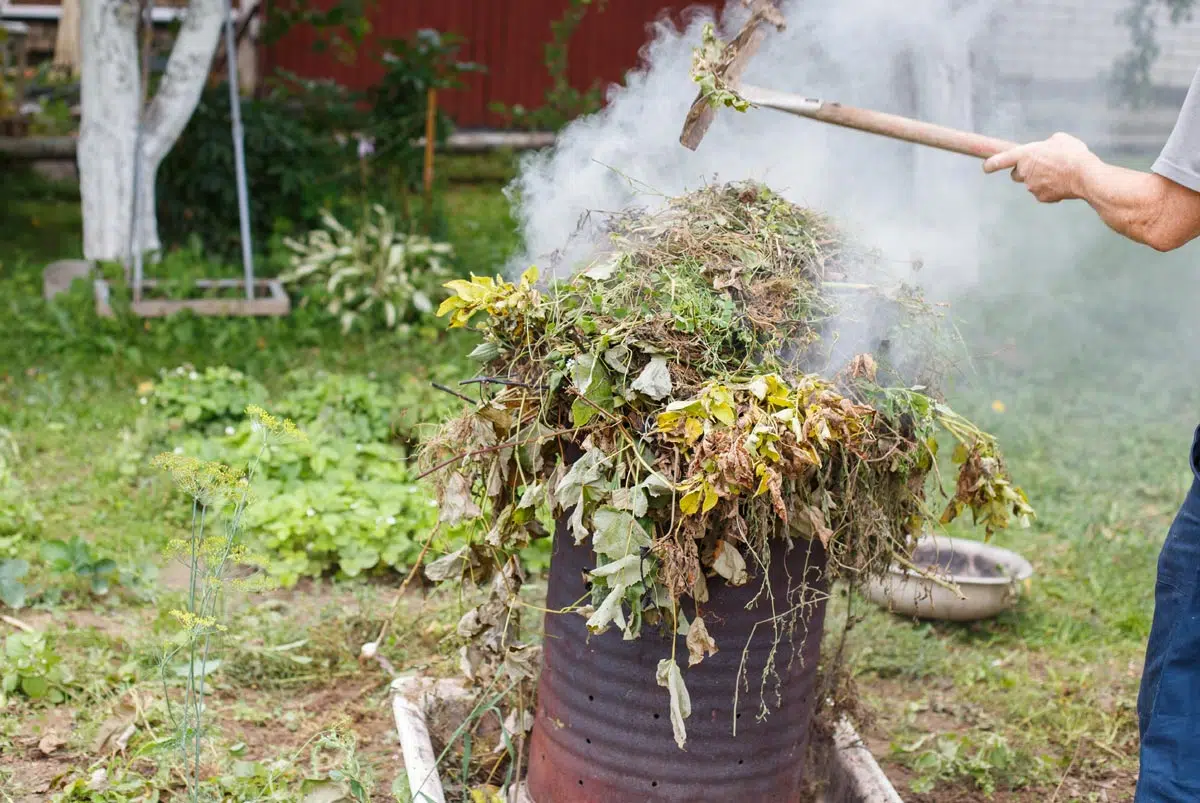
(1145, 207)
(1160, 208)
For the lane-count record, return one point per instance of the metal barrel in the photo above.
(602, 732)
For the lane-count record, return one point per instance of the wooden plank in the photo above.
(276, 304)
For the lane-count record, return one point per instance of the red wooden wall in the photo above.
(507, 36)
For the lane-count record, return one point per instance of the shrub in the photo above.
(377, 275)
(293, 166)
(342, 500)
(214, 397)
(329, 503)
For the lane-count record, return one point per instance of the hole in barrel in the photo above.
(654, 783)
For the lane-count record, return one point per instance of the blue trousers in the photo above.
(1169, 698)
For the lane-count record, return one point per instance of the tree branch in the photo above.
(187, 70)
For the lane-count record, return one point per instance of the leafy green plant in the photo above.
(351, 406)
(327, 503)
(340, 28)
(31, 667)
(562, 102)
(75, 561)
(220, 496)
(988, 764)
(12, 589)
(426, 60)
(294, 163)
(202, 400)
(377, 275)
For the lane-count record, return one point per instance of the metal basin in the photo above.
(989, 578)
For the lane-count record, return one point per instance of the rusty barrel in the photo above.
(602, 733)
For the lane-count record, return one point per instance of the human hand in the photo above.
(1052, 169)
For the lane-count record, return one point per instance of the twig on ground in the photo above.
(1071, 766)
(17, 623)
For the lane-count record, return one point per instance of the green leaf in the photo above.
(57, 554)
(12, 590)
(591, 380)
(34, 686)
(616, 533)
(609, 612)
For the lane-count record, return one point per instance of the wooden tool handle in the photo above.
(909, 130)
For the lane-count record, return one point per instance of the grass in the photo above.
(1093, 366)
(1083, 338)
(291, 676)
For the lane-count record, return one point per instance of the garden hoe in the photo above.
(739, 51)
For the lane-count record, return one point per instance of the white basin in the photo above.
(989, 578)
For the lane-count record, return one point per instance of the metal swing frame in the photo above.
(263, 297)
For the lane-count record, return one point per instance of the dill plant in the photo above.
(220, 496)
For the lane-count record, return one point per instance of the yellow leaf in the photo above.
(724, 413)
(690, 503)
(693, 429)
(451, 303)
(763, 478)
(530, 276)
(710, 497)
(668, 420)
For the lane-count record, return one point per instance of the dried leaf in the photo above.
(50, 743)
(729, 563)
(447, 566)
(670, 676)
(631, 499)
(655, 379)
(699, 642)
(457, 505)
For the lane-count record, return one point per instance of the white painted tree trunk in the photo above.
(110, 98)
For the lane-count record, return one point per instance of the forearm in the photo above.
(1144, 207)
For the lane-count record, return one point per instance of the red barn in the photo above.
(508, 37)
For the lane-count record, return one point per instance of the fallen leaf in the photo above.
(50, 743)
(699, 643)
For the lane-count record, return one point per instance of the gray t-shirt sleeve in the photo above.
(1180, 157)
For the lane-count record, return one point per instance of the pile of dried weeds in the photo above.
(680, 401)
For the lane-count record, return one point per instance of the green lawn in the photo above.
(1084, 340)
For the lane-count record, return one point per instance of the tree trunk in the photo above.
(110, 97)
(66, 42)
(108, 124)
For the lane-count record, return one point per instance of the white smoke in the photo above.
(911, 58)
